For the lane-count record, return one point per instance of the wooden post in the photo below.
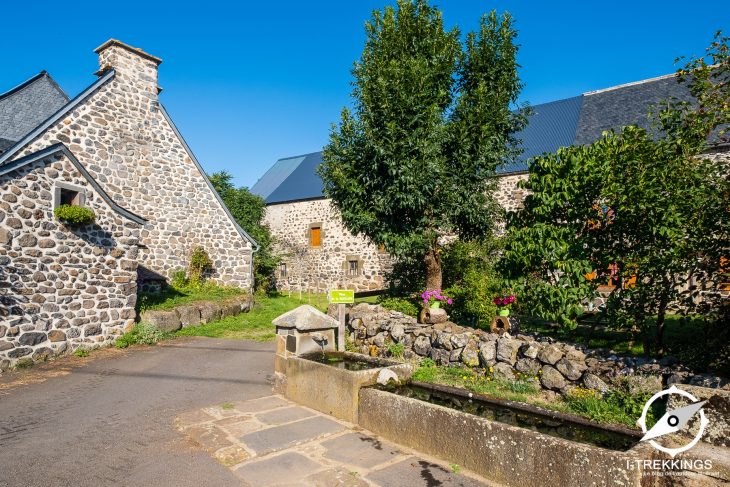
(341, 328)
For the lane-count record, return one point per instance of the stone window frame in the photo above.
(346, 265)
(308, 234)
(60, 186)
(283, 270)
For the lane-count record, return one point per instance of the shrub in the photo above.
(472, 281)
(74, 215)
(142, 333)
(179, 279)
(200, 263)
(404, 305)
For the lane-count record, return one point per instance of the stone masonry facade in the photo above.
(327, 266)
(61, 287)
(128, 144)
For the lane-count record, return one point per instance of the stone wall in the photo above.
(60, 288)
(557, 366)
(123, 138)
(326, 266)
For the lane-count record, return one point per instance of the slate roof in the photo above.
(27, 105)
(572, 121)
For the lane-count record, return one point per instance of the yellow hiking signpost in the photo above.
(341, 297)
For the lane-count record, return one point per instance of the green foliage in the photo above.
(141, 334)
(74, 215)
(249, 210)
(396, 350)
(645, 203)
(471, 280)
(406, 306)
(200, 264)
(179, 279)
(430, 123)
(623, 405)
(81, 352)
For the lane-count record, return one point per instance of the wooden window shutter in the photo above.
(315, 236)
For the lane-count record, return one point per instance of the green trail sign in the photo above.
(341, 296)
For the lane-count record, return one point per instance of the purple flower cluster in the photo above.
(427, 296)
(504, 300)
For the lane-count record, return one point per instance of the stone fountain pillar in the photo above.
(300, 331)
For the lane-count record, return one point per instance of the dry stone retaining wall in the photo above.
(559, 366)
(195, 314)
(60, 287)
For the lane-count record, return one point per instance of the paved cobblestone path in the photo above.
(187, 412)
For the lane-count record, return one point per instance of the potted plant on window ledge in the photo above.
(74, 216)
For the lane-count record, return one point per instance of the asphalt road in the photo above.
(110, 421)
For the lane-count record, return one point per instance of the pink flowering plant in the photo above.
(504, 301)
(433, 299)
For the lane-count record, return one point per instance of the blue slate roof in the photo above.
(572, 121)
(24, 107)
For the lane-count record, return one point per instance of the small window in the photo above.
(315, 236)
(282, 271)
(66, 194)
(353, 268)
(70, 197)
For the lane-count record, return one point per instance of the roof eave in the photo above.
(62, 149)
(238, 227)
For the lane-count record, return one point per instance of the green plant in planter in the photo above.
(74, 215)
(199, 263)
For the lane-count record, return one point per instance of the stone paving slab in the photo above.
(417, 471)
(359, 450)
(279, 437)
(286, 415)
(274, 442)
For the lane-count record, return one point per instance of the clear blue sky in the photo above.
(250, 82)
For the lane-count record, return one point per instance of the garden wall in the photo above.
(555, 365)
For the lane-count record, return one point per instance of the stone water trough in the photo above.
(514, 444)
(308, 369)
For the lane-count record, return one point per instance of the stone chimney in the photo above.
(133, 66)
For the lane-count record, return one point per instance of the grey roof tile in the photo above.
(572, 121)
(27, 105)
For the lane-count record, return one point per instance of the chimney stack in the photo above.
(133, 67)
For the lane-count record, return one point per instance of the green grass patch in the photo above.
(254, 325)
(81, 352)
(141, 334)
(171, 297)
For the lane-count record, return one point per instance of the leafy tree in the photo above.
(647, 205)
(415, 157)
(249, 210)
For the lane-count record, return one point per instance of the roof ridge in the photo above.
(54, 118)
(25, 83)
(632, 83)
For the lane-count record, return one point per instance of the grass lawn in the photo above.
(254, 325)
(171, 297)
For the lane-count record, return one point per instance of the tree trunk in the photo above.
(661, 317)
(433, 269)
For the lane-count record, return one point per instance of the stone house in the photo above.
(318, 252)
(113, 149)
